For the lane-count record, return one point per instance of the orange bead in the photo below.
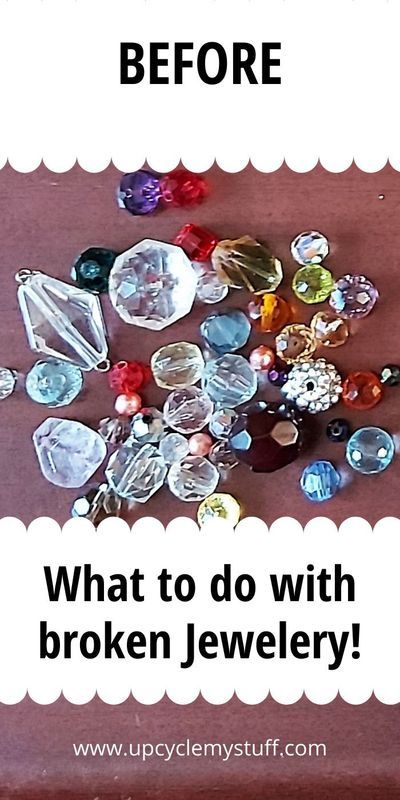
(262, 358)
(275, 313)
(362, 390)
(128, 404)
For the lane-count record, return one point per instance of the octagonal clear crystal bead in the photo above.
(193, 479)
(137, 472)
(153, 284)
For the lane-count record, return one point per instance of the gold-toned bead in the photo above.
(295, 343)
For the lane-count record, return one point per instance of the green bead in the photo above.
(313, 284)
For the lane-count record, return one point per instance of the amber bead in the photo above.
(275, 313)
(328, 329)
(362, 390)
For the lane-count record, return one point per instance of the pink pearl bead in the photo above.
(262, 358)
(128, 404)
(200, 444)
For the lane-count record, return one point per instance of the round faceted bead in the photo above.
(246, 264)
(200, 444)
(262, 358)
(174, 447)
(277, 376)
(114, 430)
(370, 450)
(362, 390)
(126, 377)
(139, 192)
(8, 379)
(193, 479)
(177, 365)
(136, 473)
(312, 284)
(128, 404)
(53, 383)
(222, 455)
(329, 330)
(222, 421)
(320, 481)
(226, 331)
(275, 313)
(295, 343)
(229, 380)
(187, 410)
(338, 430)
(92, 269)
(210, 289)
(353, 296)
(309, 247)
(183, 188)
(313, 386)
(390, 375)
(198, 243)
(148, 426)
(219, 506)
(268, 436)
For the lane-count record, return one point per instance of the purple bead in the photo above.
(278, 377)
(353, 296)
(139, 192)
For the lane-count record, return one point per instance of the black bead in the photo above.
(92, 269)
(390, 375)
(338, 430)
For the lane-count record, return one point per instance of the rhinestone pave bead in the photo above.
(312, 284)
(8, 380)
(320, 481)
(139, 192)
(309, 247)
(68, 451)
(226, 331)
(177, 365)
(353, 296)
(92, 269)
(229, 380)
(153, 284)
(370, 450)
(137, 472)
(247, 264)
(62, 320)
(267, 437)
(53, 382)
(362, 390)
(313, 385)
(187, 410)
(219, 506)
(192, 479)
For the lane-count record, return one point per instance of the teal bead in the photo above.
(92, 269)
(320, 481)
(370, 450)
(53, 383)
(227, 331)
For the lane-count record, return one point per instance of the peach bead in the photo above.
(262, 358)
(200, 444)
(128, 404)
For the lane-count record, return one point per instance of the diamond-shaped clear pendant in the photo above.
(62, 320)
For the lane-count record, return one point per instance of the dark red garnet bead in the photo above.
(268, 436)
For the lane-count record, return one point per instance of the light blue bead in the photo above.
(229, 380)
(227, 331)
(370, 450)
(53, 382)
(320, 481)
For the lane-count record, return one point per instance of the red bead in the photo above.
(198, 243)
(362, 390)
(126, 377)
(183, 188)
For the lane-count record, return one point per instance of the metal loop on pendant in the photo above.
(24, 274)
(103, 366)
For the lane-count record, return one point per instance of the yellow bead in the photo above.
(220, 505)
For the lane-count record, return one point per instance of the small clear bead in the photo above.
(136, 473)
(114, 430)
(7, 382)
(223, 457)
(193, 479)
(148, 426)
(309, 247)
(188, 410)
(210, 289)
(370, 450)
(229, 380)
(222, 422)
(174, 447)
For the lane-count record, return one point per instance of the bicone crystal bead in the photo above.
(246, 264)
(192, 479)
(210, 290)
(137, 472)
(229, 380)
(370, 450)
(177, 365)
(69, 452)
(219, 506)
(152, 285)
(226, 331)
(62, 321)
(320, 481)
(174, 447)
(53, 383)
(188, 410)
(8, 380)
(309, 247)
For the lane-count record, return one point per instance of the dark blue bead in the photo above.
(92, 269)
(338, 430)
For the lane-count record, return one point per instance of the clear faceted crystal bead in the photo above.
(8, 380)
(53, 382)
(222, 422)
(68, 451)
(153, 284)
(309, 247)
(136, 473)
(177, 365)
(188, 410)
(192, 479)
(174, 447)
(223, 456)
(115, 430)
(61, 320)
(229, 380)
(98, 503)
(210, 289)
(148, 426)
